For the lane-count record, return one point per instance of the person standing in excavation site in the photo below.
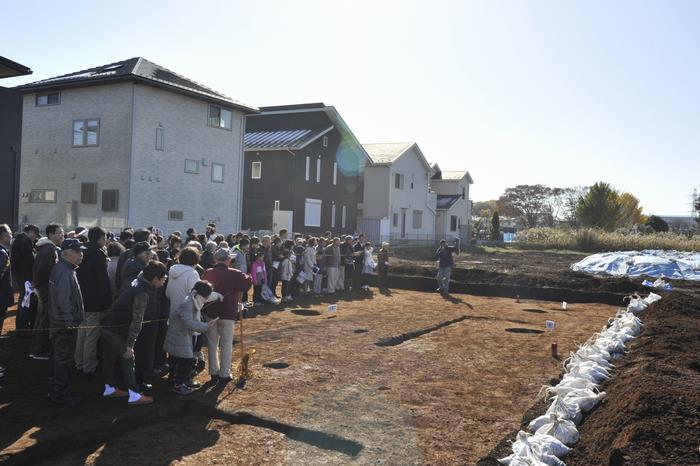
(445, 257)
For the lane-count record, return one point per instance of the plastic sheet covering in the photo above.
(652, 263)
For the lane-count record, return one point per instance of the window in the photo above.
(276, 205)
(191, 166)
(395, 219)
(335, 173)
(217, 173)
(412, 180)
(318, 170)
(417, 219)
(256, 170)
(333, 216)
(308, 167)
(453, 223)
(219, 117)
(398, 181)
(51, 98)
(312, 213)
(344, 214)
(42, 195)
(86, 133)
(110, 200)
(464, 192)
(160, 139)
(88, 193)
(325, 141)
(175, 215)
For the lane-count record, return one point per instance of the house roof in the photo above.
(294, 139)
(445, 201)
(9, 68)
(454, 175)
(386, 153)
(136, 69)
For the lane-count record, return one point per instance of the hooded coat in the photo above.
(181, 280)
(184, 321)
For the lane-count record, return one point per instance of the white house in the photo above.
(453, 203)
(131, 143)
(397, 194)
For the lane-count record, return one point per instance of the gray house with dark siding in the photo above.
(303, 170)
(131, 143)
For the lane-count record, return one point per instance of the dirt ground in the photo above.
(323, 391)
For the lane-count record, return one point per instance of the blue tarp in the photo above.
(652, 263)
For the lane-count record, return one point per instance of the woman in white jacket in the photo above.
(309, 263)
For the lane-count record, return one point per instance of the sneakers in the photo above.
(40, 356)
(143, 400)
(117, 394)
(193, 385)
(183, 389)
(214, 379)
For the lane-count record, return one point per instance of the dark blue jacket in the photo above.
(444, 255)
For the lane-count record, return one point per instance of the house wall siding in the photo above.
(50, 162)
(461, 208)
(411, 166)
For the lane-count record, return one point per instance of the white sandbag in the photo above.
(561, 408)
(637, 304)
(585, 399)
(528, 460)
(589, 349)
(540, 421)
(610, 343)
(595, 374)
(571, 381)
(544, 448)
(652, 298)
(576, 359)
(561, 429)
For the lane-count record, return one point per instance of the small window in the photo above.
(335, 173)
(398, 181)
(175, 215)
(343, 216)
(86, 133)
(191, 166)
(312, 213)
(325, 141)
(276, 205)
(464, 193)
(50, 98)
(110, 200)
(219, 117)
(308, 167)
(332, 215)
(417, 219)
(43, 195)
(395, 219)
(217, 173)
(318, 170)
(453, 223)
(88, 193)
(160, 139)
(256, 170)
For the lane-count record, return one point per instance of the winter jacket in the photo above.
(94, 279)
(131, 270)
(383, 259)
(332, 256)
(258, 273)
(346, 254)
(181, 280)
(65, 300)
(184, 321)
(228, 282)
(22, 254)
(286, 269)
(128, 312)
(6, 276)
(368, 263)
(321, 259)
(240, 260)
(123, 259)
(206, 260)
(444, 255)
(309, 259)
(46, 258)
(112, 272)
(359, 259)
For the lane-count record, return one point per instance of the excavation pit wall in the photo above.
(443, 396)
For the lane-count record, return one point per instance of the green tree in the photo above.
(600, 207)
(657, 223)
(526, 201)
(495, 227)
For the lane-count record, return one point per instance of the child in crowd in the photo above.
(368, 265)
(383, 266)
(258, 273)
(286, 273)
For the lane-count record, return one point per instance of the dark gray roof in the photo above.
(9, 68)
(293, 139)
(445, 201)
(138, 69)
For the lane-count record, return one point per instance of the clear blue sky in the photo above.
(518, 92)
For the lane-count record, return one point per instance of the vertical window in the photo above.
(217, 173)
(417, 219)
(395, 219)
(86, 133)
(160, 140)
(110, 200)
(42, 195)
(325, 141)
(318, 170)
(453, 223)
(191, 166)
(343, 216)
(88, 193)
(308, 167)
(335, 173)
(398, 181)
(312, 213)
(412, 180)
(277, 205)
(219, 117)
(256, 170)
(464, 193)
(333, 215)
(51, 98)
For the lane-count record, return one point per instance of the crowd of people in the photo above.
(145, 304)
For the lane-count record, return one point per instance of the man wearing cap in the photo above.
(141, 254)
(230, 283)
(65, 313)
(138, 236)
(445, 257)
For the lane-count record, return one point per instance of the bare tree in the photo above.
(526, 201)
